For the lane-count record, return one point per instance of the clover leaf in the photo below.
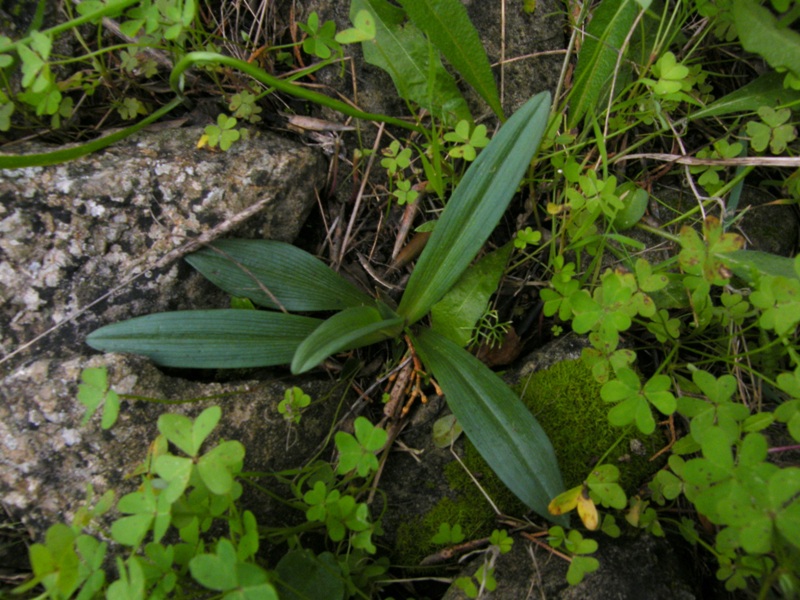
(358, 453)
(293, 403)
(466, 142)
(448, 534)
(147, 510)
(94, 392)
(223, 133)
(186, 434)
(633, 400)
(772, 131)
(224, 572)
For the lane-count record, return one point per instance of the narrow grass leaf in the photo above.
(349, 329)
(447, 25)
(597, 59)
(18, 161)
(496, 421)
(475, 207)
(767, 90)
(265, 270)
(208, 339)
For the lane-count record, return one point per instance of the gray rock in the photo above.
(533, 45)
(49, 458)
(117, 221)
(99, 240)
(532, 42)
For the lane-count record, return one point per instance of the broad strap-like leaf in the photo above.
(496, 421)
(208, 339)
(475, 207)
(447, 25)
(349, 329)
(257, 268)
(597, 59)
(400, 49)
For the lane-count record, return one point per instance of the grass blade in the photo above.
(447, 25)
(208, 339)
(257, 268)
(496, 421)
(605, 34)
(475, 207)
(767, 90)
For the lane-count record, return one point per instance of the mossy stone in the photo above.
(566, 401)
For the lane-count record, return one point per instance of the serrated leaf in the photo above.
(611, 22)
(351, 328)
(456, 315)
(298, 280)
(447, 25)
(208, 339)
(496, 421)
(475, 208)
(760, 32)
(404, 53)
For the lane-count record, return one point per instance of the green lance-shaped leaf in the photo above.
(402, 51)
(352, 328)
(751, 265)
(447, 25)
(266, 270)
(208, 339)
(496, 421)
(475, 207)
(597, 59)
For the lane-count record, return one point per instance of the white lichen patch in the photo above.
(71, 436)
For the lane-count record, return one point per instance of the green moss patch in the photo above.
(566, 401)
